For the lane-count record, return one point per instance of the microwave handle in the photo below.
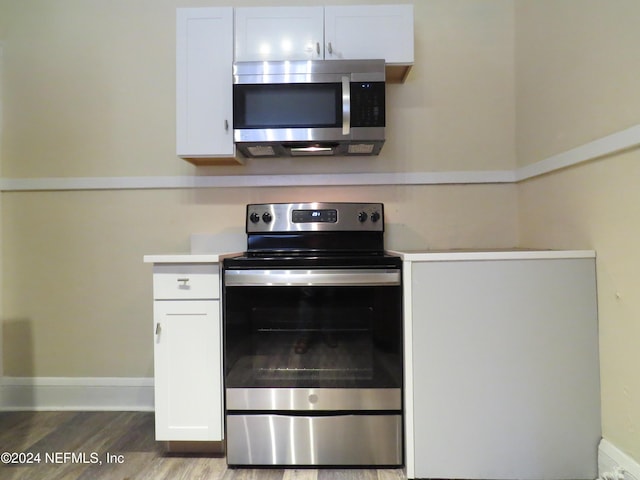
(346, 105)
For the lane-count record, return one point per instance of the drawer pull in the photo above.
(183, 281)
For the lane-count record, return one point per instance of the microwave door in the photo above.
(282, 107)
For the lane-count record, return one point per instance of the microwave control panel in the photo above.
(367, 104)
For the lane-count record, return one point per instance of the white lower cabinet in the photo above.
(187, 353)
(504, 370)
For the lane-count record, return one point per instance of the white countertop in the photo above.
(188, 258)
(490, 254)
(409, 255)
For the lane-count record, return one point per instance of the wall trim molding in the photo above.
(76, 393)
(611, 144)
(611, 458)
(225, 181)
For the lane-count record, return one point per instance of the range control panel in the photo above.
(317, 216)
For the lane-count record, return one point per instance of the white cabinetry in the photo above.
(279, 33)
(204, 103)
(369, 31)
(504, 372)
(187, 352)
(330, 33)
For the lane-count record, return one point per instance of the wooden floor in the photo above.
(121, 445)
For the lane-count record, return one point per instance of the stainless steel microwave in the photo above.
(309, 108)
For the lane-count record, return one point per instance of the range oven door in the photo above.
(309, 352)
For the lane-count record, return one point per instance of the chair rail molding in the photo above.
(606, 146)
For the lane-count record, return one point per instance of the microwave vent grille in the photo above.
(361, 148)
(262, 151)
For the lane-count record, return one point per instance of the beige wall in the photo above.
(79, 299)
(89, 91)
(1, 137)
(576, 73)
(577, 80)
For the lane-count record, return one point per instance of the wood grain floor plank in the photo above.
(257, 474)
(391, 474)
(20, 430)
(136, 434)
(23, 439)
(206, 468)
(132, 436)
(347, 474)
(300, 474)
(134, 463)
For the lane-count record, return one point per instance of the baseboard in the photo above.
(610, 458)
(90, 394)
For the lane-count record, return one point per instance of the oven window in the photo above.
(298, 105)
(313, 337)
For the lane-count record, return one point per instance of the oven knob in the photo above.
(362, 217)
(266, 216)
(375, 216)
(254, 217)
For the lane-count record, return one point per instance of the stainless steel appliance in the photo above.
(314, 107)
(313, 339)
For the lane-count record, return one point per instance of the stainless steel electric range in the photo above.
(313, 339)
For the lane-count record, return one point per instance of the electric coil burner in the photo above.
(313, 339)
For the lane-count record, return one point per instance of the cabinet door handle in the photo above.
(158, 328)
(226, 125)
(318, 47)
(330, 49)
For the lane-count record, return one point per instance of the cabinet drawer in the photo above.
(181, 281)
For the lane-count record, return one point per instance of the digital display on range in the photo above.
(314, 216)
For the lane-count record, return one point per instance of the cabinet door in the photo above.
(204, 62)
(505, 362)
(278, 33)
(188, 370)
(369, 31)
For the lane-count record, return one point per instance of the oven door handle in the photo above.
(311, 278)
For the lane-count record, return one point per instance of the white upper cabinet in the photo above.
(369, 31)
(330, 33)
(204, 102)
(279, 33)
